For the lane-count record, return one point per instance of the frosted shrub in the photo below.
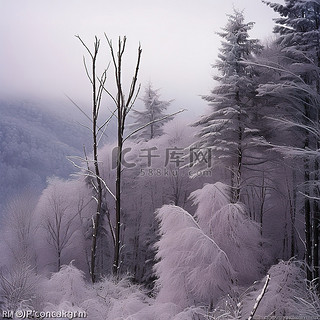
(19, 287)
(107, 299)
(229, 308)
(309, 306)
(67, 285)
(120, 298)
(67, 290)
(287, 286)
(157, 311)
(167, 310)
(192, 269)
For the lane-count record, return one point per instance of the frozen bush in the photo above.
(19, 287)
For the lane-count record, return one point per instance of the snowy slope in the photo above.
(34, 143)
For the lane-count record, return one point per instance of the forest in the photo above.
(150, 216)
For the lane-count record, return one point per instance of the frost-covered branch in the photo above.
(259, 298)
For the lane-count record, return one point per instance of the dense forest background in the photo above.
(130, 211)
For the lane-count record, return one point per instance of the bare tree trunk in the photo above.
(123, 107)
(118, 208)
(316, 217)
(59, 261)
(97, 90)
(152, 119)
(236, 186)
(316, 222)
(315, 229)
(293, 208)
(308, 218)
(98, 187)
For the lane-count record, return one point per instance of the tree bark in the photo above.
(307, 214)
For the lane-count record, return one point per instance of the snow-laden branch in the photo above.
(259, 298)
(90, 173)
(277, 67)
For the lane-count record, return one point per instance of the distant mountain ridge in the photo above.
(34, 144)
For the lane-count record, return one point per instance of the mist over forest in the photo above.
(130, 210)
(34, 146)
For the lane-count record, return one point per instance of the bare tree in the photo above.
(19, 228)
(123, 106)
(59, 222)
(97, 130)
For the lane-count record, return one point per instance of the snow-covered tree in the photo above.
(18, 229)
(231, 229)
(298, 97)
(63, 220)
(210, 199)
(286, 287)
(59, 221)
(191, 267)
(227, 128)
(240, 238)
(154, 110)
(283, 292)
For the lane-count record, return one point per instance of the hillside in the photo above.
(34, 144)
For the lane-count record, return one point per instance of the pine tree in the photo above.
(298, 89)
(149, 118)
(227, 129)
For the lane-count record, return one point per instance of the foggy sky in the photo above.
(41, 58)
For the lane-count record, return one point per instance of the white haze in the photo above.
(41, 59)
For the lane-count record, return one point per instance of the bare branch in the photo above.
(79, 108)
(135, 78)
(86, 69)
(83, 43)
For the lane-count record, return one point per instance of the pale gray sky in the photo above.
(41, 58)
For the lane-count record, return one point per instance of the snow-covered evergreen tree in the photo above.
(298, 97)
(227, 128)
(154, 110)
